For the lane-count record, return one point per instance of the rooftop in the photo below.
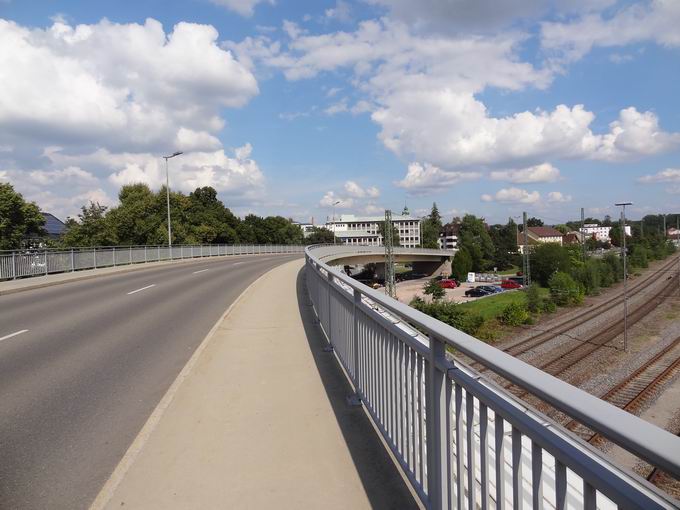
(53, 225)
(545, 231)
(350, 218)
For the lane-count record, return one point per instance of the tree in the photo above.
(534, 222)
(504, 239)
(320, 235)
(91, 229)
(461, 264)
(18, 218)
(615, 235)
(434, 289)
(431, 226)
(475, 238)
(547, 259)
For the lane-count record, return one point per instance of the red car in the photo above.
(448, 284)
(509, 284)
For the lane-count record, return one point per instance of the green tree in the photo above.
(534, 222)
(434, 289)
(534, 301)
(504, 239)
(395, 233)
(475, 238)
(461, 264)
(547, 259)
(431, 227)
(320, 235)
(92, 228)
(18, 218)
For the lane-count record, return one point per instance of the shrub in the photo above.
(546, 259)
(434, 289)
(564, 290)
(549, 306)
(533, 294)
(451, 314)
(514, 314)
(589, 275)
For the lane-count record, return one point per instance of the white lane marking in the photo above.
(143, 288)
(13, 334)
(237, 263)
(201, 271)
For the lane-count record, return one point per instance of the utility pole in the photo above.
(334, 224)
(583, 234)
(526, 271)
(664, 226)
(388, 241)
(625, 274)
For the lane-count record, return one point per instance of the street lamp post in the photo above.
(334, 226)
(625, 273)
(167, 198)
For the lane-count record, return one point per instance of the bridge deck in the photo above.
(259, 420)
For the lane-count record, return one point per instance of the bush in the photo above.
(564, 290)
(546, 259)
(615, 265)
(451, 314)
(461, 264)
(549, 306)
(514, 314)
(434, 289)
(533, 294)
(589, 275)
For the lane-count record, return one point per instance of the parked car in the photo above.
(477, 292)
(448, 284)
(510, 284)
(491, 288)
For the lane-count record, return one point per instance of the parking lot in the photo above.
(407, 290)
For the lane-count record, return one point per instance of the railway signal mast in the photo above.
(625, 272)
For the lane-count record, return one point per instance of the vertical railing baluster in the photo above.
(484, 455)
(435, 391)
(536, 475)
(470, 429)
(460, 464)
(517, 479)
(499, 432)
(560, 485)
(589, 496)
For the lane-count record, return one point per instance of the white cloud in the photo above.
(545, 172)
(245, 8)
(340, 12)
(330, 199)
(427, 178)
(558, 197)
(655, 21)
(667, 175)
(125, 86)
(335, 108)
(72, 174)
(333, 91)
(513, 196)
(354, 190)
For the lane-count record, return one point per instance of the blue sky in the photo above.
(288, 107)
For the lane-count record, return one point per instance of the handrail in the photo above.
(648, 442)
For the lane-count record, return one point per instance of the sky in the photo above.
(289, 107)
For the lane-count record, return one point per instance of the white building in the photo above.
(307, 228)
(600, 232)
(364, 230)
(448, 241)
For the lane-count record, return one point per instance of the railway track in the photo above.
(565, 359)
(546, 335)
(638, 389)
(664, 481)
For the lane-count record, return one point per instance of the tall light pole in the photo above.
(334, 226)
(167, 197)
(625, 273)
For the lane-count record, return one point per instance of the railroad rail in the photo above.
(545, 336)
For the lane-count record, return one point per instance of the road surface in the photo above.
(83, 365)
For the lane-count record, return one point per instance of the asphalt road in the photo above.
(96, 358)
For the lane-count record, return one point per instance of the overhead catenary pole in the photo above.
(334, 224)
(526, 270)
(583, 234)
(167, 198)
(388, 241)
(625, 273)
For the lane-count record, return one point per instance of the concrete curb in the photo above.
(109, 488)
(89, 274)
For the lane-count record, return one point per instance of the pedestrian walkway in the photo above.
(259, 419)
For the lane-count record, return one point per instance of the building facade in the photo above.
(537, 235)
(365, 230)
(600, 232)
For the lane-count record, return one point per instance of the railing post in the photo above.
(436, 413)
(73, 265)
(145, 259)
(94, 257)
(355, 316)
(328, 311)
(130, 255)
(114, 256)
(159, 253)
(14, 266)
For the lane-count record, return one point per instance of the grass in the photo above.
(492, 306)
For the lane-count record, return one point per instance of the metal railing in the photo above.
(22, 264)
(462, 441)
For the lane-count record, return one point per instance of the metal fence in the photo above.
(21, 264)
(461, 440)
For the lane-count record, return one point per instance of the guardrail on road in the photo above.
(21, 264)
(462, 441)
